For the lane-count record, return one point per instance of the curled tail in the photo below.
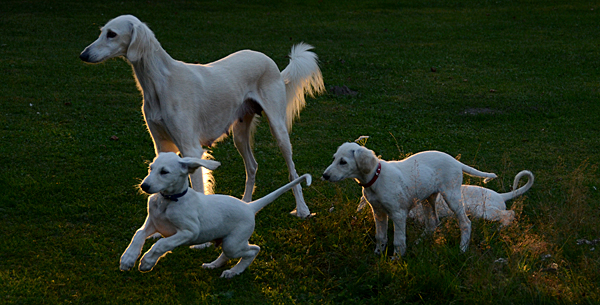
(258, 204)
(520, 191)
(301, 76)
(477, 173)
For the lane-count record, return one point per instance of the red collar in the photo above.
(377, 172)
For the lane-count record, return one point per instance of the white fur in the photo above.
(188, 106)
(481, 202)
(401, 185)
(195, 218)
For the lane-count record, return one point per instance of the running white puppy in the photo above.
(184, 216)
(481, 202)
(393, 188)
(188, 106)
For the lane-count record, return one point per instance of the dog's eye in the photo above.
(163, 172)
(111, 34)
(343, 162)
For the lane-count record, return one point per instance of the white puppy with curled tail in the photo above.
(481, 202)
(183, 216)
(392, 188)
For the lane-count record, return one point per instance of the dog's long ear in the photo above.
(365, 160)
(140, 40)
(192, 164)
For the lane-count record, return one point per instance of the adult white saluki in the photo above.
(190, 106)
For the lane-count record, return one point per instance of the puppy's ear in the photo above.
(210, 164)
(140, 38)
(365, 160)
(192, 164)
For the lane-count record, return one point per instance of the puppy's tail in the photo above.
(516, 192)
(258, 204)
(477, 173)
(301, 76)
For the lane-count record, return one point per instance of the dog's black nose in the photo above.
(85, 56)
(325, 177)
(145, 187)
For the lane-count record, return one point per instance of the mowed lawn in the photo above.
(503, 85)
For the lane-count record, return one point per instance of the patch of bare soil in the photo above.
(342, 91)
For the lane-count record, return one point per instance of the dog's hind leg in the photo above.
(280, 132)
(430, 215)
(217, 263)
(236, 245)
(432, 220)
(242, 137)
(247, 257)
(453, 199)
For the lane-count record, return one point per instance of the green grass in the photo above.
(69, 203)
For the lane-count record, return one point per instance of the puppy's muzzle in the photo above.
(145, 187)
(325, 177)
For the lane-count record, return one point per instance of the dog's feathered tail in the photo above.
(516, 192)
(301, 76)
(258, 204)
(477, 173)
(207, 176)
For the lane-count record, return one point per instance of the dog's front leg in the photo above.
(161, 247)
(399, 219)
(381, 226)
(134, 249)
(160, 138)
(197, 176)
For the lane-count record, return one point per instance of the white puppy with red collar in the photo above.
(392, 188)
(184, 216)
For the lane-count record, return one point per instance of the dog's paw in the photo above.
(227, 274)
(399, 250)
(127, 262)
(380, 248)
(303, 215)
(201, 246)
(209, 266)
(155, 236)
(126, 266)
(146, 266)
